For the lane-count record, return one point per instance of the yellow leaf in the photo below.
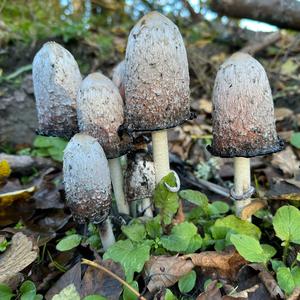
(289, 67)
(4, 169)
(8, 198)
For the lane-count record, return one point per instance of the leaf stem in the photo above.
(285, 251)
(97, 266)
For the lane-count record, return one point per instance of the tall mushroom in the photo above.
(243, 120)
(56, 80)
(156, 83)
(100, 113)
(88, 185)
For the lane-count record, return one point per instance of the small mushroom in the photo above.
(243, 119)
(100, 113)
(87, 184)
(156, 83)
(140, 180)
(56, 80)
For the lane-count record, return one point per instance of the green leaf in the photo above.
(5, 292)
(128, 294)
(236, 225)
(169, 295)
(183, 238)
(28, 290)
(289, 67)
(295, 139)
(68, 293)
(94, 241)
(269, 251)
(153, 227)
(276, 264)
(285, 280)
(187, 282)
(94, 297)
(42, 142)
(136, 232)
(221, 207)
(3, 245)
(130, 255)
(195, 197)
(165, 200)
(286, 224)
(38, 297)
(69, 242)
(249, 248)
(296, 275)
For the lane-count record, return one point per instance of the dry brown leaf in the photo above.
(164, 271)
(295, 295)
(17, 257)
(205, 105)
(271, 284)
(286, 161)
(252, 208)
(7, 199)
(282, 113)
(225, 264)
(212, 292)
(180, 216)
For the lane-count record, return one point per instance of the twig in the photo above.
(97, 266)
(195, 17)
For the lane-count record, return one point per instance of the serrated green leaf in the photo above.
(166, 201)
(6, 292)
(286, 224)
(136, 232)
(221, 207)
(187, 282)
(249, 248)
(236, 225)
(94, 297)
(295, 139)
(285, 280)
(195, 197)
(128, 294)
(131, 256)
(69, 242)
(183, 238)
(153, 227)
(28, 290)
(68, 293)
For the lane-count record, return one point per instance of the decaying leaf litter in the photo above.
(36, 207)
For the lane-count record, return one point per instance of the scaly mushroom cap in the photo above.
(118, 78)
(100, 113)
(87, 179)
(243, 112)
(56, 80)
(156, 75)
(139, 177)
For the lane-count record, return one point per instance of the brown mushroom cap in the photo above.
(139, 177)
(56, 80)
(87, 179)
(100, 113)
(243, 111)
(156, 75)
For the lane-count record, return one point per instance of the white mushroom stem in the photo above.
(106, 234)
(160, 154)
(242, 181)
(146, 205)
(117, 183)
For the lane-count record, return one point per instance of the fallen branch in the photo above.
(283, 13)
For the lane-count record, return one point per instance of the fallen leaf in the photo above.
(295, 295)
(4, 170)
(17, 257)
(226, 264)
(271, 285)
(7, 199)
(212, 292)
(282, 113)
(205, 105)
(252, 208)
(164, 271)
(97, 282)
(286, 161)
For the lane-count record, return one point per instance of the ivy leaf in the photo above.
(236, 225)
(285, 280)
(6, 292)
(153, 228)
(69, 242)
(183, 238)
(286, 224)
(250, 248)
(128, 294)
(131, 256)
(165, 200)
(68, 293)
(136, 232)
(28, 290)
(187, 282)
(295, 139)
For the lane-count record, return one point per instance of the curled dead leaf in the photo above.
(286, 161)
(225, 264)
(252, 208)
(7, 199)
(164, 271)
